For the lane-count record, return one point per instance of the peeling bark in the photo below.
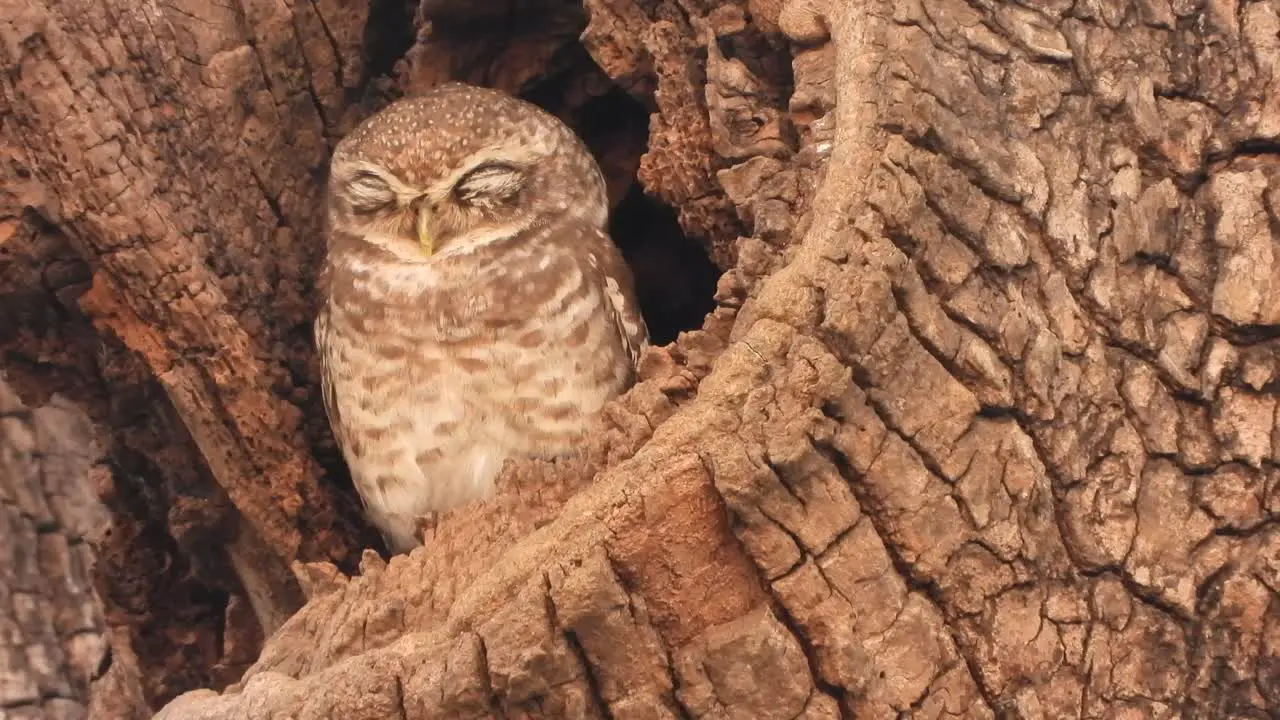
(983, 422)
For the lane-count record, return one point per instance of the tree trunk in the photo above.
(982, 422)
(55, 658)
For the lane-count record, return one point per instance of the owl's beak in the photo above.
(425, 241)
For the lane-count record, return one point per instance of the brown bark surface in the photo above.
(55, 654)
(983, 423)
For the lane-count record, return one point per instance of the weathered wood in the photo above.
(55, 655)
(151, 136)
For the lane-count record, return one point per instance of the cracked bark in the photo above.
(983, 425)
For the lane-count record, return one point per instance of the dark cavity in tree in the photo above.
(675, 278)
(388, 35)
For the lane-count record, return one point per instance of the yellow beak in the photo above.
(425, 241)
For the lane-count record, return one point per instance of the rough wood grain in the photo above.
(145, 133)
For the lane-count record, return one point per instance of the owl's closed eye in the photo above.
(489, 183)
(368, 192)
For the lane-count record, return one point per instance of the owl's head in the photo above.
(455, 168)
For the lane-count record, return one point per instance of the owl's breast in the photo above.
(518, 362)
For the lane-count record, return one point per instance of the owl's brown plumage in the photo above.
(474, 308)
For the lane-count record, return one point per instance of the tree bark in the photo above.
(983, 422)
(55, 657)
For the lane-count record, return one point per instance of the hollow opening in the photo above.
(490, 44)
(388, 35)
(531, 48)
(675, 278)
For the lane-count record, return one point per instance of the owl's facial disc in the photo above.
(415, 211)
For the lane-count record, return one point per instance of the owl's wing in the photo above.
(627, 318)
(326, 382)
(624, 309)
(322, 341)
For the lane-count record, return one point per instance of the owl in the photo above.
(473, 306)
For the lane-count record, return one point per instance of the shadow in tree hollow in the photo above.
(675, 278)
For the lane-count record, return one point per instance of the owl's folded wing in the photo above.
(619, 287)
